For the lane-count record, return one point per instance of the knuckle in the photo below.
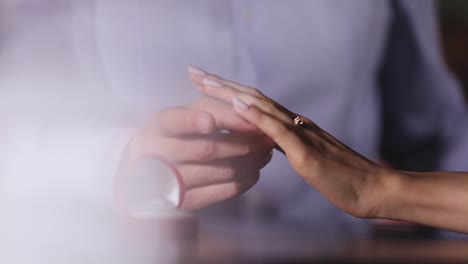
(256, 115)
(205, 151)
(256, 92)
(224, 173)
(268, 106)
(304, 162)
(191, 121)
(246, 149)
(280, 130)
(300, 162)
(204, 124)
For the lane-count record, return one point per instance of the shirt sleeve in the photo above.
(425, 120)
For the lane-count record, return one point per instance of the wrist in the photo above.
(390, 191)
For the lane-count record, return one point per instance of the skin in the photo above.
(214, 166)
(353, 183)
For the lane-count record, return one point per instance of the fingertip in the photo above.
(196, 71)
(196, 79)
(196, 75)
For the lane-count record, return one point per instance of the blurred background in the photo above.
(454, 26)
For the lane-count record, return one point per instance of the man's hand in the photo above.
(215, 164)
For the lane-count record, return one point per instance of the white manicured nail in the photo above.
(196, 71)
(212, 83)
(240, 104)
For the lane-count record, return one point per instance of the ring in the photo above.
(298, 121)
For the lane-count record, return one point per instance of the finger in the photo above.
(227, 94)
(198, 75)
(218, 91)
(223, 171)
(201, 197)
(197, 149)
(279, 131)
(224, 115)
(179, 121)
(269, 107)
(225, 90)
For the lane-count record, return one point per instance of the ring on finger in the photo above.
(298, 122)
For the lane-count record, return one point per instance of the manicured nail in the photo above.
(240, 104)
(212, 83)
(196, 71)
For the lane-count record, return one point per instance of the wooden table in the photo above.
(85, 233)
(273, 245)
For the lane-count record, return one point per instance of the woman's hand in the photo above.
(352, 182)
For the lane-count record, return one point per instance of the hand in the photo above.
(214, 166)
(346, 178)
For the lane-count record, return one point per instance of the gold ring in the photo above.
(298, 121)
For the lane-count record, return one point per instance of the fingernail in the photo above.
(239, 103)
(196, 71)
(212, 83)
